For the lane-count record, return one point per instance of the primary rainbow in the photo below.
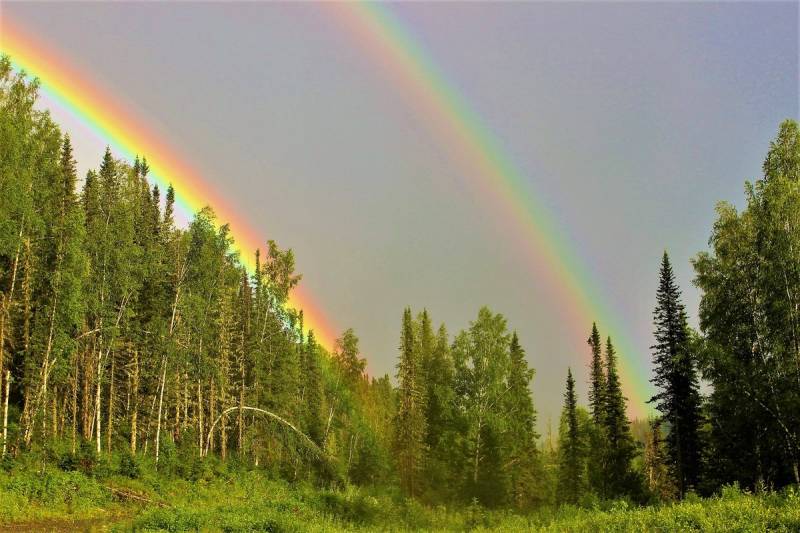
(469, 140)
(128, 137)
(464, 134)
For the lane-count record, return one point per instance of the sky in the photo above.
(629, 120)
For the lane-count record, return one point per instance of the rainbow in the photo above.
(463, 133)
(127, 136)
(467, 139)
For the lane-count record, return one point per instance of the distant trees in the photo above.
(466, 425)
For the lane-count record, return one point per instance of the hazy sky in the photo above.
(631, 120)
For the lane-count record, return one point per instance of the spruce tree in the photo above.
(677, 398)
(620, 448)
(409, 426)
(521, 455)
(312, 396)
(597, 376)
(597, 390)
(570, 453)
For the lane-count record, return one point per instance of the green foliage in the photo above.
(750, 287)
(572, 451)
(678, 398)
(410, 421)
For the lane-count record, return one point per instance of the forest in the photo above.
(149, 381)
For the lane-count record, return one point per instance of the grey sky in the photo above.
(631, 120)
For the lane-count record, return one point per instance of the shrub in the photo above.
(129, 466)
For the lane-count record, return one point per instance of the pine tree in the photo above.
(678, 398)
(570, 461)
(409, 426)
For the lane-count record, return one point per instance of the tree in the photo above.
(312, 390)
(678, 398)
(521, 457)
(597, 394)
(347, 355)
(481, 357)
(620, 448)
(409, 426)
(659, 481)
(571, 467)
(440, 417)
(750, 287)
(597, 377)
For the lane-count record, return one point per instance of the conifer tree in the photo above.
(409, 426)
(570, 460)
(349, 358)
(659, 480)
(312, 395)
(597, 390)
(521, 455)
(440, 417)
(678, 398)
(620, 448)
(597, 377)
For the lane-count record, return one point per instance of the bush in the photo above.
(129, 466)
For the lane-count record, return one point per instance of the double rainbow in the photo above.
(463, 132)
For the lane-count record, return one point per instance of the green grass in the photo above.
(209, 497)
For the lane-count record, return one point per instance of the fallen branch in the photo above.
(127, 495)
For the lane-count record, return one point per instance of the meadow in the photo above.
(39, 493)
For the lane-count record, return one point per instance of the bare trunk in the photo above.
(5, 412)
(185, 402)
(176, 431)
(200, 416)
(75, 407)
(477, 451)
(111, 399)
(160, 404)
(97, 401)
(241, 411)
(6, 307)
(134, 393)
(85, 396)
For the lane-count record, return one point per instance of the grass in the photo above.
(208, 496)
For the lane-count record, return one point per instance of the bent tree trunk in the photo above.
(310, 444)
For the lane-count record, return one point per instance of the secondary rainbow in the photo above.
(472, 144)
(128, 137)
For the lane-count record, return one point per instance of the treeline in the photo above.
(745, 429)
(121, 332)
(124, 337)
